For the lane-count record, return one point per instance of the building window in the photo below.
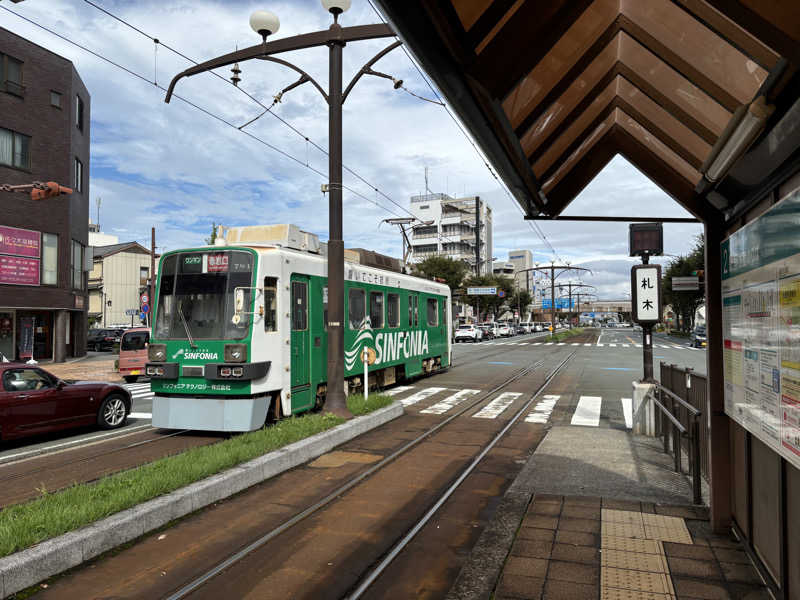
(144, 275)
(55, 99)
(77, 265)
(79, 112)
(15, 149)
(78, 176)
(49, 259)
(11, 72)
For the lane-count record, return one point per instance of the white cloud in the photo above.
(178, 169)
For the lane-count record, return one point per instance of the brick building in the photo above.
(44, 136)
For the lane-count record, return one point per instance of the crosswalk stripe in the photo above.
(537, 344)
(626, 345)
(549, 344)
(541, 412)
(562, 343)
(600, 345)
(627, 410)
(576, 344)
(449, 402)
(587, 344)
(678, 347)
(587, 413)
(397, 390)
(137, 415)
(638, 345)
(421, 395)
(497, 406)
(613, 345)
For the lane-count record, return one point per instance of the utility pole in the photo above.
(477, 236)
(152, 276)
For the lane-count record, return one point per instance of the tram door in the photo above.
(301, 347)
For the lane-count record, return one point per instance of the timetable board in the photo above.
(761, 327)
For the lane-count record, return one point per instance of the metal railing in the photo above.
(679, 434)
(691, 387)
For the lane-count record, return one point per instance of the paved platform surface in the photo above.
(598, 513)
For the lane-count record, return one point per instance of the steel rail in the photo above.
(198, 582)
(389, 558)
(13, 476)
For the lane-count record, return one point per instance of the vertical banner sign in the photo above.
(25, 338)
(646, 293)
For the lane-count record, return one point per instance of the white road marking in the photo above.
(613, 345)
(549, 344)
(141, 415)
(497, 406)
(541, 412)
(537, 343)
(397, 390)
(587, 344)
(575, 344)
(562, 343)
(449, 402)
(638, 345)
(600, 345)
(627, 409)
(626, 345)
(587, 413)
(421, 395)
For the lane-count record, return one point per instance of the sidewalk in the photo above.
(101, 369)
(599, 514)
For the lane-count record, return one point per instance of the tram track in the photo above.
(198, 582)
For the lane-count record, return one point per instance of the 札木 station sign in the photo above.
(20, 254)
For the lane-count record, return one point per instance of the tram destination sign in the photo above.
(646, 293)
(481, 291)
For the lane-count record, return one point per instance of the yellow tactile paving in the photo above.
(609, 515)
(629, 579)
(628, 530)
(662, 521)
(641, 546)
(671, 534)
(635, 561)
(620, 594)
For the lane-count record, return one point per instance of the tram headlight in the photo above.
(157, 352)
(237, 371)
(225, 372)
(235, 353)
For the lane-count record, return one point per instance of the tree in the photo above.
(685, 303)
(490, 303)
(520, 300)
(442, 267)
(213, 237)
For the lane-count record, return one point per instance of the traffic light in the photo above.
(51, 189)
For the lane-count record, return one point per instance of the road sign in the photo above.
(501, 293)
(685, 284)
(131, 311)
(143, 316)
(145, 308)
(482, 291)
(646, 293)
(145, 299)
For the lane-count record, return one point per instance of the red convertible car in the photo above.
(33, 401)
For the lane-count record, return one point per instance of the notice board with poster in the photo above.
(761, 327)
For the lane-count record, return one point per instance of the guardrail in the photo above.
(673, 430)
(690, 386)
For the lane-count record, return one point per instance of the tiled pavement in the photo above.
(577, 547)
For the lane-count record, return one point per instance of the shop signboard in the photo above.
(18, 270)
(20, 242)
(761, 327)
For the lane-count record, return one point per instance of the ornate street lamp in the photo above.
(336, 37)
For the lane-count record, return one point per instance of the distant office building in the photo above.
(460, 228)
(44, 136)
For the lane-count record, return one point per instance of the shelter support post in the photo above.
(719, 424)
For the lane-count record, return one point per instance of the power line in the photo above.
(268, 109)
(195, 106)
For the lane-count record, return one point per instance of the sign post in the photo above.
(646, 300)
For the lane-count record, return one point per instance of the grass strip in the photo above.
(53, 514)
(566, 334)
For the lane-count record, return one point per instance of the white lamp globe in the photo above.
(336, 7)
(264, 23)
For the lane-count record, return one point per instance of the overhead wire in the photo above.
(267, 109)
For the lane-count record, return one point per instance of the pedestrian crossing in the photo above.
(589, 345)
(588, 411)
(139, 391)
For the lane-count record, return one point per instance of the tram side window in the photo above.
(299, 306)
(393, 310)
(270, 303)
(356, 308)
(433, 312)
(376, 309)
(413, 310)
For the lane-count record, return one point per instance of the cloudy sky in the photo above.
(174, 167)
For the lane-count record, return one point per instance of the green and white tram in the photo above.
(239, 329)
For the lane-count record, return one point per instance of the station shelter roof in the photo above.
(552, 91)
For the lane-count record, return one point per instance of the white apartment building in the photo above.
(456, 226)
(120, 273)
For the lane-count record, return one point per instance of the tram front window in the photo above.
(197, 296)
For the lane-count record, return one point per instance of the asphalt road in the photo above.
(327, 554)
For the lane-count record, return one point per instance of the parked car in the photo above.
(520, 329)
(487, 332)
(103, 339)
(133, 353)
(504, 330)
(470, 333)
(33, 401)
(698, 338)
(537, 327)
(494, 329)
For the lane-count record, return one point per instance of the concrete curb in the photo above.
(32, 565)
